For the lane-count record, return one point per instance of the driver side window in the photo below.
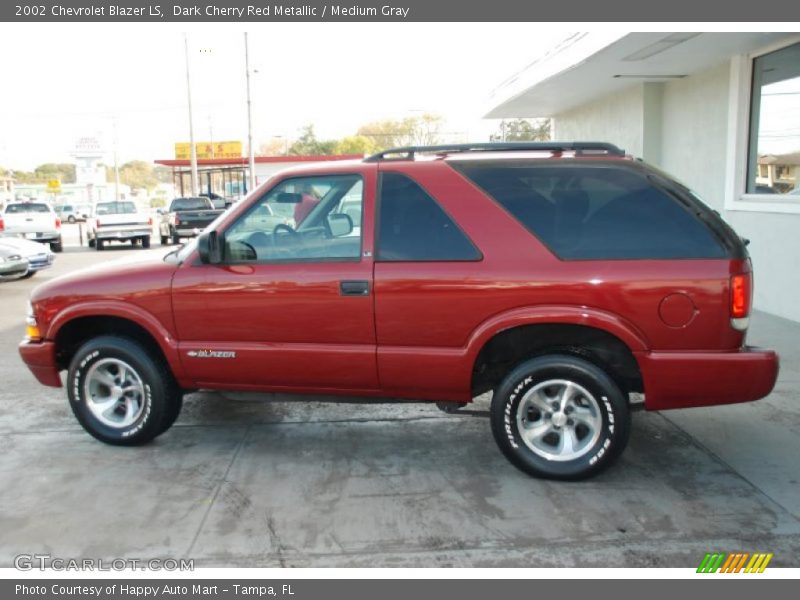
(305, 218)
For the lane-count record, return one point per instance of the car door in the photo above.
(290, 306)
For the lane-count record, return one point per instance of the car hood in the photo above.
(24, 247)
(128, 279)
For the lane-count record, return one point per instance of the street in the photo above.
(272, 480)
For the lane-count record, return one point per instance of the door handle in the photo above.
(354, 288)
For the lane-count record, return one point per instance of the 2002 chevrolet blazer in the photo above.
(562, 277)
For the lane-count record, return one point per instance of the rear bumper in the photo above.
(123, 234)
(40, 357)
(687, 379)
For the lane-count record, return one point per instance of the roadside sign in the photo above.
(54, 186)
(231, 149)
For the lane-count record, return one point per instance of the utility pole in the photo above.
(193, 150)
(116, 162)
(251, 156)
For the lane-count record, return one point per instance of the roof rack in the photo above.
(580, 148)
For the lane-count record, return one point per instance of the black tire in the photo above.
(57, 246)
(172, 414)
(134, 241)
(98, 244)
(90, 242)
(146, 241)
(158, 404)
(176, 239)
(28, 275)
(164, 240)
(594, 395)
(71, 218)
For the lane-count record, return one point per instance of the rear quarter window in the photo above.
(588, 212)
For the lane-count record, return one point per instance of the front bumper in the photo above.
(687, 379)
(41, 261)
(40, 357)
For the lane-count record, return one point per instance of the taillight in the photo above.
(97, 222)
(58, 223)
(150, 221)
(741, 298)
(177, 220)
(2, 225)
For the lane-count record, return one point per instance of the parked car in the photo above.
(216, 200)
(35, 221)
(39, 256)
(565, 278)
(12, 264)
(73, 213)
(185, 218)
(118, 221)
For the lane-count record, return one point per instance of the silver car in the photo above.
(39, 256)
(12, 264)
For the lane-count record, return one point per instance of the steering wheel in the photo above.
(284, 227)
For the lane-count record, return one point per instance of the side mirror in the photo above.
(340, 224)
(209, 248)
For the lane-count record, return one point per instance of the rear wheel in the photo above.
(164, 240)
(71, 218)
(57, 246)
(560, 417)
(119, 393)
(176, 239)
(146, 241)
(98, 244)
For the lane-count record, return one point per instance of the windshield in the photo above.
(27, 207)
(115, 208)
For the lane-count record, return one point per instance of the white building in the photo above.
(720, 111)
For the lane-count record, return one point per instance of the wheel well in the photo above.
(510, 347)
(80, 330)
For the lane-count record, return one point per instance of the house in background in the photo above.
(720, 111)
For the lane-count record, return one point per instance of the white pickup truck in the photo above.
(118, 221)
(33, 220)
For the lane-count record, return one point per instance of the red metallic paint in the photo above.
(419, 332)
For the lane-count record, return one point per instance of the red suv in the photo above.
(561, 277)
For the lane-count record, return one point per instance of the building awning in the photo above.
(588, 66)
(242, 162)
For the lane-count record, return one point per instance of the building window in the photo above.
(774, 143)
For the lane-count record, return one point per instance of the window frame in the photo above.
(378, 207)
(738, 139)
(258, 202)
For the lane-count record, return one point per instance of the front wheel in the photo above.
(560, 417)
(121, 394)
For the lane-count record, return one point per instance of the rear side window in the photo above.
(413, 227)
(596, 212)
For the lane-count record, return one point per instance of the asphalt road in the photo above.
(269, 480)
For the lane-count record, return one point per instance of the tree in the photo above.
(423, 130)
(355, 144)
(523, 130)
(308, 144)
(274, 147)
(64, 172)
(136, 174)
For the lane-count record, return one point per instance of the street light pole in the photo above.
(192, 150)
(116, 162)
(251, 156)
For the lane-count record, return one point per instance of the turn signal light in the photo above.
(32, 333)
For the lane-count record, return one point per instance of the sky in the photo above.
(63, 82)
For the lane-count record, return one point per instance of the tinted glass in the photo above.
(191, 204)
(413, 227)
(306, 218)
(27, 207)
(596, 212)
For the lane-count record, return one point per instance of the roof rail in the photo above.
(408, 152)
